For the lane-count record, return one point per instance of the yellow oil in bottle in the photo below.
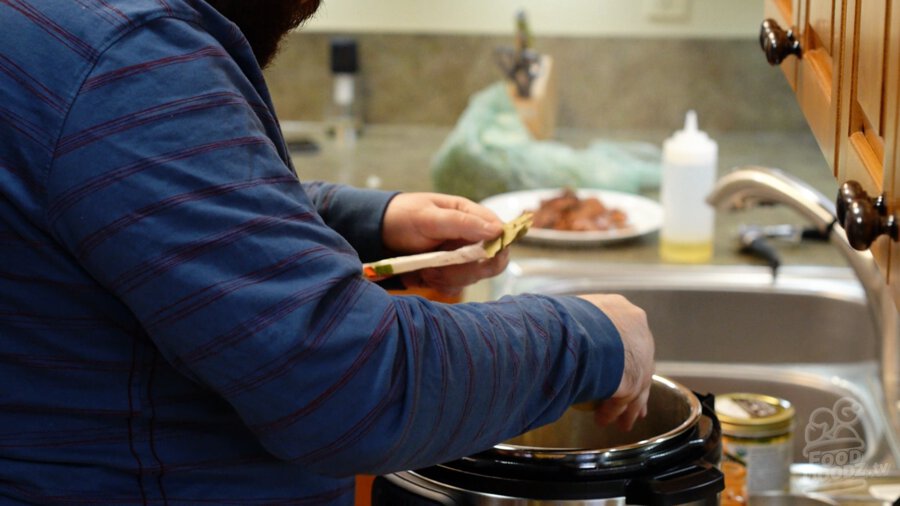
(685, 252)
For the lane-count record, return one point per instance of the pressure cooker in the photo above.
(670, 457)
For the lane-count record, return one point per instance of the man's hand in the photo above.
(420, 222)
(630, 400)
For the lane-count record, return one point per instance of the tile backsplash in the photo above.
(604, 83)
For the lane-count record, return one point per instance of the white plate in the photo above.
(644, 215)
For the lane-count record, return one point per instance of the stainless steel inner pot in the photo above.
(669, 457)
(672, 411)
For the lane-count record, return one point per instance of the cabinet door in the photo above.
(818, 71)
(866, 120)
(891, 178)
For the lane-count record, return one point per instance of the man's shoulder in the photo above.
(109, 12)
(84, 27)
(60, 42)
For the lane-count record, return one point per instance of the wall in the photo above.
(605, 82)
(566, 18)
(618, 67)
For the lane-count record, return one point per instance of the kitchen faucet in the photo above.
(752, 185)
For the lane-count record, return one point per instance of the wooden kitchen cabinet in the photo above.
(891, 165)
(868, 108)
(817, 71)
(847, 83)
(814, 76)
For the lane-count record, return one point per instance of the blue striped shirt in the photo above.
(182, 321)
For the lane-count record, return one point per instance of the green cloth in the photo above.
(491, 151)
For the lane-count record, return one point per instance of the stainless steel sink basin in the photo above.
(724, 313)
(829, 395)
(806, 336)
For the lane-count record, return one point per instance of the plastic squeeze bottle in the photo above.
(688, 174)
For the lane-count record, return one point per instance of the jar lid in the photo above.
(753, 415)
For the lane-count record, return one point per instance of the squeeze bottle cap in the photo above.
(690, 132)
(690, 121)
(690, 146)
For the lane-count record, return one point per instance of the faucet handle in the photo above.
(864, 218)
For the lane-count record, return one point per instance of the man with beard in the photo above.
(183, 322)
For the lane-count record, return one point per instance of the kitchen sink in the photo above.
(820, 395)
(721, 313)
(805, 335)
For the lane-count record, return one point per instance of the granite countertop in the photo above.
(397, 157)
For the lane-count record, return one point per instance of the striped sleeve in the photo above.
(169, 192)
(355, 213)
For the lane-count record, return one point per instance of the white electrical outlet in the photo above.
(667, 10)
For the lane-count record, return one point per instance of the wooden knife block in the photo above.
(538, 111)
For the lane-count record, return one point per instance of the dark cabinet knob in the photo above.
(864, 218)
(847, 193)
(777, 42)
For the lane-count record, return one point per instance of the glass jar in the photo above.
(757, 444)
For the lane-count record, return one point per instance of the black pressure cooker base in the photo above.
(698, 483)
(683, 471)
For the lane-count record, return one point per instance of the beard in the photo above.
(267, 22)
